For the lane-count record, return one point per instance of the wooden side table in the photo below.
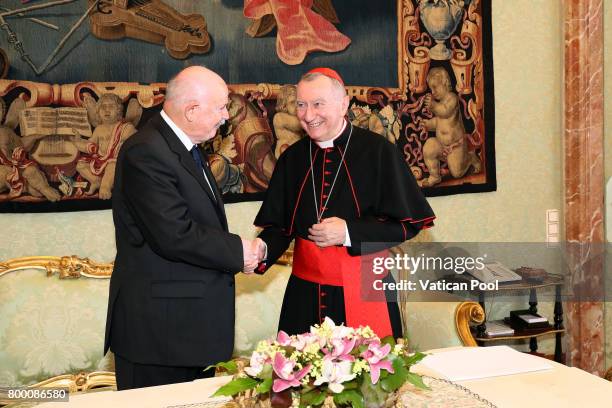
(532, 334)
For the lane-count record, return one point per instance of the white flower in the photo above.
(256, 365)
(342, 332)
(335, 373)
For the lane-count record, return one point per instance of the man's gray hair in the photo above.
(311, 76)
(173, 89)
(179, 91)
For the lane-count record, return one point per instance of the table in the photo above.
(557, 328)
(532, 287)
(560, 386)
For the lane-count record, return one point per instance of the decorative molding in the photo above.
(468, 313)
(286, 258)
(80, 382)
(42, 94)
(73, 267)
(66, 267)
(74, 383)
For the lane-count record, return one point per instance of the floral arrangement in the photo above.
(330, 366)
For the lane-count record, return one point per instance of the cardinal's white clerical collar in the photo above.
(330, 142)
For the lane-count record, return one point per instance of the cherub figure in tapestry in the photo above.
(253, 141)
(287, 128)
(450, 143)
(384, 121)
(19, 174)
(111, 129)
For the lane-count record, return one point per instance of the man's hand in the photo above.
(330, 231)
(261, 249)
(250, 253)
(254, 252)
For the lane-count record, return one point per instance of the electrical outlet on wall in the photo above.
(552, 226)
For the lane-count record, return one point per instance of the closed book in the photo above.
(498, 328)
(524, 319)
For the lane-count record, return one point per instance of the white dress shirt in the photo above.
(186, 142)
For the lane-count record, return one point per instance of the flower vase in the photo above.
(441, 18)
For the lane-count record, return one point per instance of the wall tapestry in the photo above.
(419, 73)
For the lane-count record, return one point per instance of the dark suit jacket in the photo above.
(171, 296)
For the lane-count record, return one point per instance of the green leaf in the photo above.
(415, 358)
(351, 385)
(307, 388)
(393, 381)
(266, 372)
(349, 397)
(417, 381)
(388, 340)
(312, 398)
(230, 366)
(236, 386)
(265, 386)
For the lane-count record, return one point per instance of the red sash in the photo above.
(334, 266)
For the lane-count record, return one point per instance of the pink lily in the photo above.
(374, 355)
(283, 338)
(304, 340)
(341, 350)
(283, 368)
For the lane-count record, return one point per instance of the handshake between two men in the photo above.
(254, 252)
(328, 232)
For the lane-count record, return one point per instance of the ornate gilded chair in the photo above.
(52, 328)
(433, 325)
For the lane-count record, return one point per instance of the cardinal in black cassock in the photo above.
(340, 193)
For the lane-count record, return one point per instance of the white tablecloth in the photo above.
(558, 387)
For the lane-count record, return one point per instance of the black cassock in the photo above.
(374, 192)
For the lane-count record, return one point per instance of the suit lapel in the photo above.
(189, 164)
(215, 187)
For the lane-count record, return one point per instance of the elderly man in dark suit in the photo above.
(171, 303)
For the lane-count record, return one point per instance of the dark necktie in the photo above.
(197, 157)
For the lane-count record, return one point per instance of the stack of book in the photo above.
(525, 320)
(497, 328)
